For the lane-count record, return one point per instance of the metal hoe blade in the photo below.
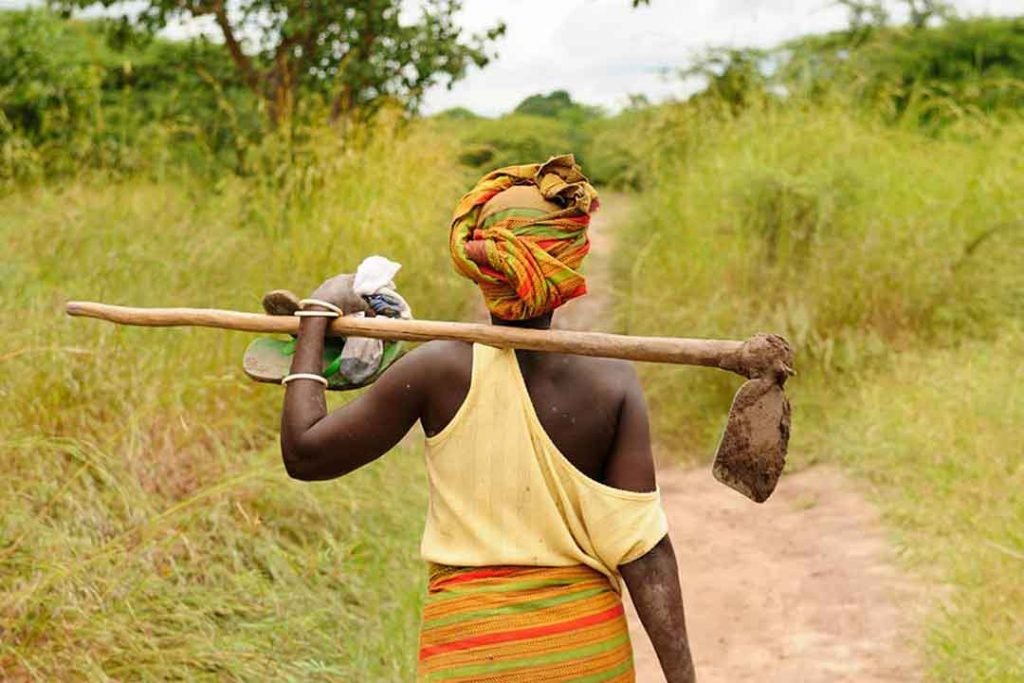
(752, 451)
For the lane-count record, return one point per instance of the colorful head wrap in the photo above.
(525, 258)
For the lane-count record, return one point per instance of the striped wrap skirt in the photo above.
(523, 624)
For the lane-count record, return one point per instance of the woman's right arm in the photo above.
(653, 580)
(653, 583)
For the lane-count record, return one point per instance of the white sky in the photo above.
(602, 51)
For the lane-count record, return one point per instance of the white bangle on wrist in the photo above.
(320, 302)
(316, 314)
(306, 375)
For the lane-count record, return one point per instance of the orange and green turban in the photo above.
(521, 235)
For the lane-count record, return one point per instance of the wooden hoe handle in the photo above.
(750, 456)
(704, 352)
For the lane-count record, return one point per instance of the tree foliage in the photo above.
(923, 12)
(864, 15)
(875, 13)
(353, 53)
(46, 90)
(735, 77)
(556, 104)
(71, 95)
(975, 64)
(932, 68)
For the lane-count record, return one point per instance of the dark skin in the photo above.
(593, 409)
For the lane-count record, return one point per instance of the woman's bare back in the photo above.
(578, 400)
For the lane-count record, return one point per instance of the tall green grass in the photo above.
(852, 238)
(892, 261)
(938, 434)
(149, 531)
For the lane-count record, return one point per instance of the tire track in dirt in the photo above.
(802, 588)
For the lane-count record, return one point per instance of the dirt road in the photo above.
(801, 589)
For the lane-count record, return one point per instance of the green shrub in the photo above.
(71, 98)
(515, 139)
(618, 149)
(920, 76)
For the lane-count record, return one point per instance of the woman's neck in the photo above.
(541, 322)
(528, 360)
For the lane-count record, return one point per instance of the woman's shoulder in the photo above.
(612, 373)
(442, 360)
(442, 351)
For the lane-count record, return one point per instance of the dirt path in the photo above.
(801, 589)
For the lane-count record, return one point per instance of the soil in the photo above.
(802, 588)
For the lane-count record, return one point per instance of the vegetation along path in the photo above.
(801, 588)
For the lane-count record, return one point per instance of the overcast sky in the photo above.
(602, 51)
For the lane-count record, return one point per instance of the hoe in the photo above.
(752, 451)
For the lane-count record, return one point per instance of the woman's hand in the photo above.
(339, 291)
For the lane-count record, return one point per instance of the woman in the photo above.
(542, 483)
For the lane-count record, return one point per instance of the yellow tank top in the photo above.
(501, 493)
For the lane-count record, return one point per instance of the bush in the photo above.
(618, 150)
(515, 139)
(72, 98)
(923, 77)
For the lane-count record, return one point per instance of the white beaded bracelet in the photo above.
(306, 375)
(320, 302)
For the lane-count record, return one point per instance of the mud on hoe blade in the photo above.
(751, 453)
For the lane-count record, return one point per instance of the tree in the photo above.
(922, 12)
(868, 14)
(557, 104)
(735, 78)
(353, 53)
(46, 94)
(865, 14)
(932, 75)
(458, 114)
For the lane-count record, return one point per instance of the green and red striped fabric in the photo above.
(523, 624)
(526, 263)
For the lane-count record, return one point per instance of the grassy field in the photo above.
(938, 436)
(149, 531)
(892, 261)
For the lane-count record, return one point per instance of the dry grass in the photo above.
(938, 435)
(149, 531)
